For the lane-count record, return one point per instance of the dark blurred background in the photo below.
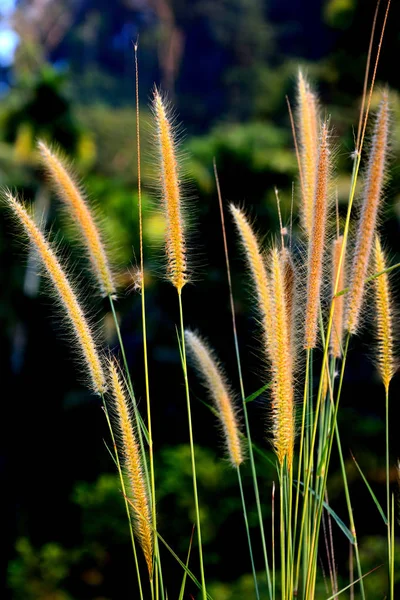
(67, 74)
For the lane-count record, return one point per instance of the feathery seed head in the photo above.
(65, 293)
(289, 275)
(70, 194)
(132, 461)
(258, 271)
(337, 323)
(316, 243)
(308, 126)
(283, 418)
(171, 195)
(215, 382)
(384, 317)
(372, 196)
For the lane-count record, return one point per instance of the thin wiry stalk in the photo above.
(144, 328)
(248, 533)
(192, 453)
(271, 589)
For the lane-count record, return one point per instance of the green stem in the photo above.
(283, 534)
(248, 533)
(390, 540)
(189, 412)
(128, 512)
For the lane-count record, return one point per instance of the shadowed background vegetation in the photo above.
(227, 67)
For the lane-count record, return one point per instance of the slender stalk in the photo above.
(390, 540)
(248, 532)
(391, 576)
(189, 412)
(144, 328)
(283, 533)
(121, 479)
(273, 538)
(242, 391)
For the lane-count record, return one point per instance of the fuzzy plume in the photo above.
(130, 452)
(66, 295)
(78, 209)
(372, 196)
(283, 419)
(289, 275)
(171, 195)
(316, 244)
(308, 126)
(337, 323)
(215, 382)
(384, 317)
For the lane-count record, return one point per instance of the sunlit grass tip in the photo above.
(218, 388)
(383, 317)
(283, 410)
(338, 315)
(371, 200)
(308, 128)
(316, 242)
(66, 295)
(171, 192)
(72, 196)
(132, 464)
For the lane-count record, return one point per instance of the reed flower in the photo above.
(337, 322)
(283, 419)
(171, 190)
(130, 452)
(65, 293)
(215, 382)
(72, 197)
(289, 277)
(255, 260)
(372, 197)
(308, 126)
(384, 317)
(316, 244)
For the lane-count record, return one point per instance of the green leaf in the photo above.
(187, 564)
(374, 498)
(258, 393)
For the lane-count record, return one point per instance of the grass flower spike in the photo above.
(308, 126)
(369, 212)
(259, 273)
(171, 195)
(283, 422)
(130, 451)
(79, 210)
(337, 323)
(289, 274)
(65, 293)
(316, 244)
(217, 386)
(383, 317)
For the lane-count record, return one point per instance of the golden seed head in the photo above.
(171, 196)
(78, 209)
(308, 126)
(283, 417)
(219, 391)
(338, 314)
(289, 275)
(132, 461)
(257, 268)
(316, 243)
(65, 293)
(384, 317)
(372, 196)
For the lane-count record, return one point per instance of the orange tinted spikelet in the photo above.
(171, 196)
(216, 384)
(384, 329)
(283, 419)
(369, 212)
(130, 451)
(289, 275)
(65, 293)
(337, 322)
(78, 209)
(316, 244)
(308, 125)
(257, 268)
